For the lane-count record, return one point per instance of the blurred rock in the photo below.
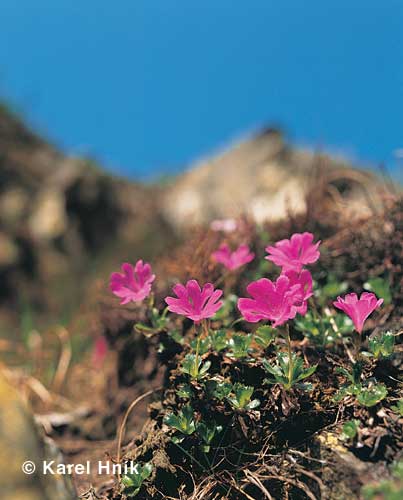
(49, 218)
(20, 442)
(63, 221)
(265, 178)
(8, 251)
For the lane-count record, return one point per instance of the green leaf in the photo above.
(388, 489)
(204, 369)
(226, 310)
(372, 395)
(218, 340)
(357, 372)
(133, 481)
(346, 373)
(382, 346)
(240, 346)
(341, 394)
(185, 391)
(176, 336)
(242, 393)
(204, 345)
(242, 397)
(142, 328)
(350, 429)
(331, 289)
(207, 431)
(278, 373)
(343, 323)
(323, 330)
(255, 403)
(183, 421)
(265, 335)
(380, 287)
(281, 372)
(398, 408)
(219, 390)
(191, 365)
(307, 372)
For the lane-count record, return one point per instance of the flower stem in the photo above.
(290, 364)
(357, 345)
(205, 327)
(197, 351)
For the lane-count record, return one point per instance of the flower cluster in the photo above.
(276, 301)
(280, 301)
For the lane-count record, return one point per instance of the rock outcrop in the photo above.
(265, 178)
(20, 442)
(62, 220)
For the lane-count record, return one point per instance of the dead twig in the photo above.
(126, 416)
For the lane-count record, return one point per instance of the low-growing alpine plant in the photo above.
(233, 353)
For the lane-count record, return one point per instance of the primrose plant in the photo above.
(241, 398)
(358, 309)
(218, 351)
(367, 392)
(183, 421)
(282, 300)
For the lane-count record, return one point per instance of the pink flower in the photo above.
(99, 351)
(304, 278)
(225, 225)
(233, 260)
(134, 284)
(358, 308)
(193, 302)
(277, 302)
(295, 252)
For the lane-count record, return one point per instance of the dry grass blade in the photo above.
(64, 360)
(124, 421)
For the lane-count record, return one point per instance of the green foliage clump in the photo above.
(381, 346)
(133, 481)
(241, 398)
(193, 366)
(367, 392)
(288, 372)
(183, 421)
(350, 430)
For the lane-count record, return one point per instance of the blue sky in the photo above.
(148, 86)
